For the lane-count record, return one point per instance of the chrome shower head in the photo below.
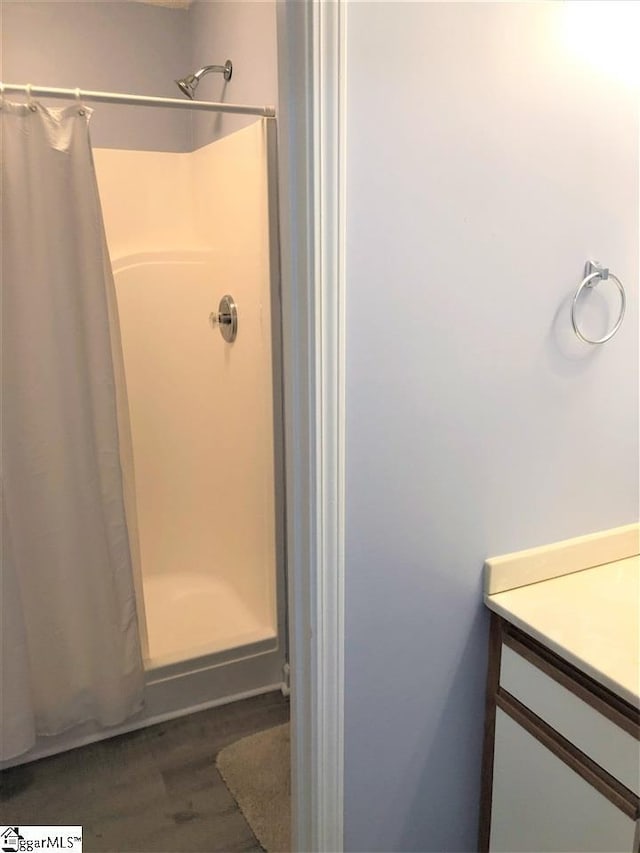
(189, 84)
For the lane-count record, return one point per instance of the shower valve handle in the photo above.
(217, 319)
(225, 319)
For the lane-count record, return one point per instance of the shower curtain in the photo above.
(69, 644)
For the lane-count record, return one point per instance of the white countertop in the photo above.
(591, 618)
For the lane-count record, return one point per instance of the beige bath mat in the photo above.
(256, 771)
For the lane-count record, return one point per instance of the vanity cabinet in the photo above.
(561, 765)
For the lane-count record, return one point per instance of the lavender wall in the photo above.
(245, 32)
(480, 177)
(116, 46)
(123, 46)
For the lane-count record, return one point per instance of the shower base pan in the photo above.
(189, 615)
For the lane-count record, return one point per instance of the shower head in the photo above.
(189, 84)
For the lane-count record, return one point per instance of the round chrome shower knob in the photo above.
(226, 319)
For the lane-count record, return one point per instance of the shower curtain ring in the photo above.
(32, 106)
(81, 112)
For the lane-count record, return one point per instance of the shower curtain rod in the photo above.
(136, 100)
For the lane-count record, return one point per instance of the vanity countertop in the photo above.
(590, 617)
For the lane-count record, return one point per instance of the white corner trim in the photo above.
(329, 91)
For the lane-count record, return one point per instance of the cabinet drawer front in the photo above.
(540, 804)
(606, 743)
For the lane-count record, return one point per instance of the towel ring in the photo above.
(595, 273)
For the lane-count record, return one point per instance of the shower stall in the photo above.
(199, 418)
(202, 410)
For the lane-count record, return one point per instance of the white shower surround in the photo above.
(183, 230)
(201, 426)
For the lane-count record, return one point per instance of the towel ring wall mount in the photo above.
(594, 273)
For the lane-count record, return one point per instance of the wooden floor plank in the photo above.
(156, 789)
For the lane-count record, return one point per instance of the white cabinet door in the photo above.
(541, 805)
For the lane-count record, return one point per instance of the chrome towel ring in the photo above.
(594, 273)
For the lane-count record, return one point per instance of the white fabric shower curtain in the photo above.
(70, 645)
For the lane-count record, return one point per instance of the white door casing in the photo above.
(311, 38)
